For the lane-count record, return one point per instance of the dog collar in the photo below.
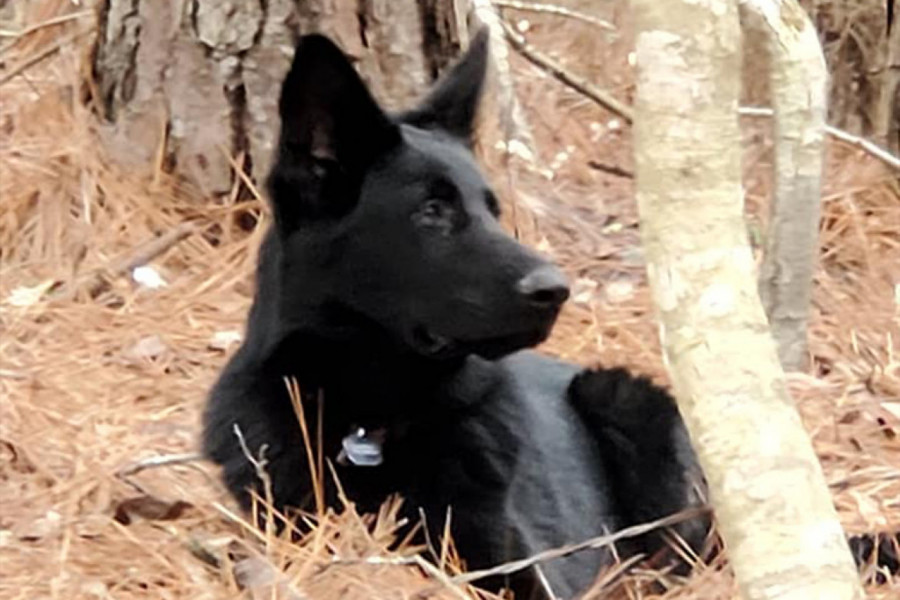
(362, 448)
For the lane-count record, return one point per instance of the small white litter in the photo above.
(149, 277)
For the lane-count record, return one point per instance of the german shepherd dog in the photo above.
(387, 288)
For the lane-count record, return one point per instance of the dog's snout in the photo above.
(546, 286)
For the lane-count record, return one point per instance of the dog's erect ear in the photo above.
(331, 132)
(453, 103)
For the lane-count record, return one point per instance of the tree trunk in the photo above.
(798, 82)
(887, 120)
(773, 507)
(193, 81)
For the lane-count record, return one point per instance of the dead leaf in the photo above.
(619, 292)
(583, 290)
(42, 528)
(223, 340)
(25, 296)
(544, 246)
(149, 508)
(849, 417)
(148, 348)
(91, 526)
(95, 588)
(869, 510)
(261, 579)
(893, 408)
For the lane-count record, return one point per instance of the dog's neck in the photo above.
(359, 370)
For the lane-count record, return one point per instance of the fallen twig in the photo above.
(140, 256)
(560, 11)
(576, 82)
(153, 248)
(593, 543)
(611, 169)
(125, 473)
(154, 462)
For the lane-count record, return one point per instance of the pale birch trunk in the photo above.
(773, 507)
(195, 80)
(798, 84)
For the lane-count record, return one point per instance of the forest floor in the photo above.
(99, 373)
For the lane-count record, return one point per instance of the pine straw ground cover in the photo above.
(98, 373)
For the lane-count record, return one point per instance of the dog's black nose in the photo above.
(546, 286)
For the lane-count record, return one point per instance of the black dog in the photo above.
(388, 286)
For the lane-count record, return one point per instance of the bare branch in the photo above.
(868, 146)
(601, 97)
(560, 11)
(514, 127)
(576, 82)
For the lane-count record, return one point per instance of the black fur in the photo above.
(388, 286)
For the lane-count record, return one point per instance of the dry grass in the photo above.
(98, 372)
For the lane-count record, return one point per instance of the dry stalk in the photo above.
(315, 473)
(259, 466)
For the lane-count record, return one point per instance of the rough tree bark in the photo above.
(187, 79)
(887, 119)
(798, 86)
(774, 510)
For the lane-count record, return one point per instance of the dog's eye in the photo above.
(435, 213)
(435, 209)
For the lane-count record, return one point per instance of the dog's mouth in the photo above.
(434, 345)
(427, 342)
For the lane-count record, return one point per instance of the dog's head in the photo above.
(392, 218)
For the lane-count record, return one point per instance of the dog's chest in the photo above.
(454, 460)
